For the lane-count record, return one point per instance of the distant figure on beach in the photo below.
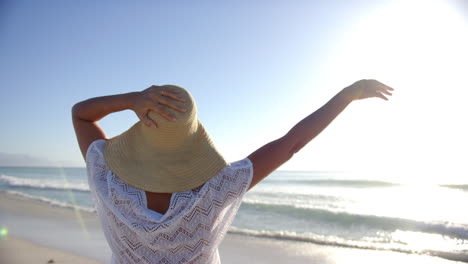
(163, 193)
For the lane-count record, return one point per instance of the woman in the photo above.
(163, 193)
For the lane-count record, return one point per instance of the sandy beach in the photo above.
(14, 250)
(40, 233)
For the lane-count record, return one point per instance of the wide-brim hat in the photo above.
(174, 157)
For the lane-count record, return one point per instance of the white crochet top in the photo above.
(189, 232)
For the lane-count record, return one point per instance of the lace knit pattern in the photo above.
(189, 232)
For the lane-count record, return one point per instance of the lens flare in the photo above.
(3, 232)
(79, 217)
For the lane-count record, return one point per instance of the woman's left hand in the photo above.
(154, 99)
(367, 89)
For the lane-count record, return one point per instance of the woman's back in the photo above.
(158, 202)
(190, 230)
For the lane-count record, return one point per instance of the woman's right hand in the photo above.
(367, 89)
(155, 98)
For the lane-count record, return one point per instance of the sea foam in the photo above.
(345, 219)
(44, 183)
(51, 202)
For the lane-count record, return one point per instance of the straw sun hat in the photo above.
(175, 157)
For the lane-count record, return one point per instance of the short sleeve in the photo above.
(243, 173)
(94, 153)
(95, 164)
(231, 183)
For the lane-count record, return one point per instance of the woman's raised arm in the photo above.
(269, 157)
(85, 114)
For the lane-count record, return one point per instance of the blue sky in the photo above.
(254, 67)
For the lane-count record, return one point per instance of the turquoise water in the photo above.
(333, 208)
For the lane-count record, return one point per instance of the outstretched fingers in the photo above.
(380, 95)
(380, 90)
(384, 89)
(384, 86)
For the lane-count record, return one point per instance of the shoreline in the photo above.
(44, 230)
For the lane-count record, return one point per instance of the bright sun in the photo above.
(419, 48)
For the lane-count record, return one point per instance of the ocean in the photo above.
(329, 208)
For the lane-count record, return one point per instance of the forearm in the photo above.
(94, 109)
(311, 126)
(86, 114)
(274, 154)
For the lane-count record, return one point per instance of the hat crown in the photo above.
(171, 135)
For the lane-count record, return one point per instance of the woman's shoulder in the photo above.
(96, 147)
(235, 175)
(95, 151)
(244, 163)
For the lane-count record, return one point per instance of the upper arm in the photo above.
(86, 132)
(269, 157)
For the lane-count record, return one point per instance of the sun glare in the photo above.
(419, 48)
(3, 232)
